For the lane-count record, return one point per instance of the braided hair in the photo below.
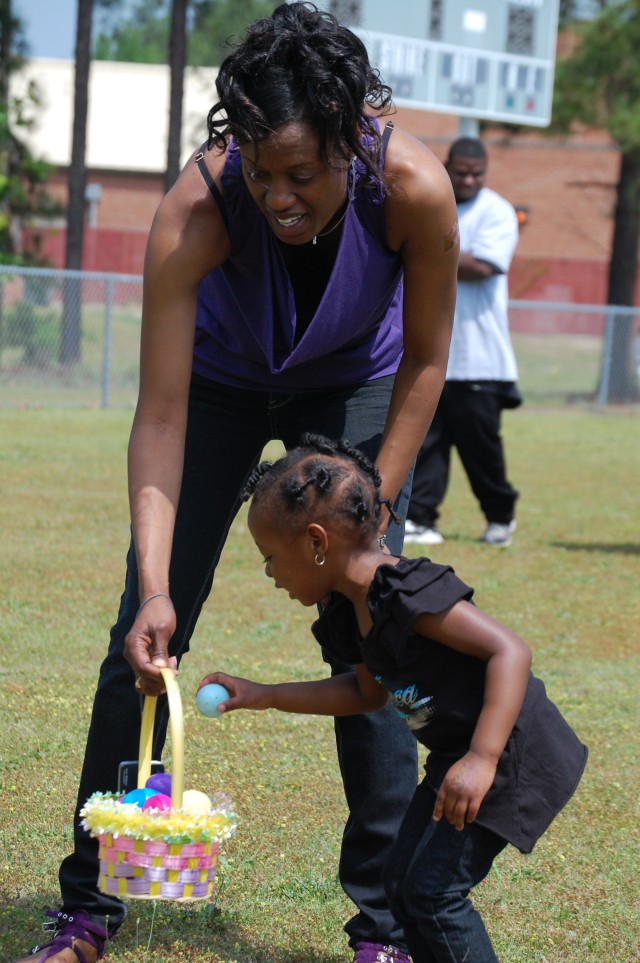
(330, 480)
(300, 64)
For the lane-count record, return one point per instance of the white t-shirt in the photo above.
(480, 344)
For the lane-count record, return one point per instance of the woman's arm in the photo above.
(347, 694)
(469, 630)
(422, 224)
(187, 240)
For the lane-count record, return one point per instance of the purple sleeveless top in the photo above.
(246, 319)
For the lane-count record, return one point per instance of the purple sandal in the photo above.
(67, 930)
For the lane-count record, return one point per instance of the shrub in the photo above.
(35, 329)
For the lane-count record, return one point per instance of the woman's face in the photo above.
(297, 193)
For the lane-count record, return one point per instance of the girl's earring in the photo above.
(319, 559)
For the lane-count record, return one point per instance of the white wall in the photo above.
(128, 112)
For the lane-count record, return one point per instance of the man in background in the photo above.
(482, 373)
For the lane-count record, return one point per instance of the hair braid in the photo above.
(331, 478)
(254, 479)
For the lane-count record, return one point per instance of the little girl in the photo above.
(502, 760)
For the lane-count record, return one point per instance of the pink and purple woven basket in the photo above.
(155, 869)
(153, 854)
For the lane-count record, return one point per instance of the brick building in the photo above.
(567, 185)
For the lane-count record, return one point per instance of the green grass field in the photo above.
(568, 585)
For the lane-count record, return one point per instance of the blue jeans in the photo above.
(428, 877)
(226, 433)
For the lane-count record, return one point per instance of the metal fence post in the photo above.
(605, 368)
(106, 343)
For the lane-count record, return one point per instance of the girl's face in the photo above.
(297, 193)
(289, 559)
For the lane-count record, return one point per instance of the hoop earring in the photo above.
(319, 559)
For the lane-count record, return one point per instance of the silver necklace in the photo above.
(336, 225)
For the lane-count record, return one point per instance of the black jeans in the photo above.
(431, 870)
(226, 433)
(467, 418)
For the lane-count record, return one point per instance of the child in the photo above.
(502, 761)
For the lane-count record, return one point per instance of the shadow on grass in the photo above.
(613, 548)
(156, 934)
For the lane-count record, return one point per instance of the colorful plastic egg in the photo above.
(195, 801)
(160, 782)
(158, 801)
(209, 698)
(138, 797)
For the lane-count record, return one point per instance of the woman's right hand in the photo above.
(188, 239)
(146, 647)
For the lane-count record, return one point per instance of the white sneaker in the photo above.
(498, 534)
(421, 534)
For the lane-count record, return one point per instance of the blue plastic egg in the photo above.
(209, 698)
(138, 797)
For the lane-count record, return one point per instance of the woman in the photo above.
(300, 276)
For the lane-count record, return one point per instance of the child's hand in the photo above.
(244, 694)
(463, 789)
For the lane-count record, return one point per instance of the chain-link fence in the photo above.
(577, 353)
(68, 338)
(72, 338)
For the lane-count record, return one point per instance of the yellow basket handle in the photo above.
(177, 738)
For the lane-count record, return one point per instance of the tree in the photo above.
(70, 333)
(217, 21)
(599, 85)
(22, 176)
(177, 61)
(143, 37)
(138, 35)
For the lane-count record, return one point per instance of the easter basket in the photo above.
(159, 853)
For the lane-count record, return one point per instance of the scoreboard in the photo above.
(489, 59)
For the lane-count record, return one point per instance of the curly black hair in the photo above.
(330, 478)
(300, 64)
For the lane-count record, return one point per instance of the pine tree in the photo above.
(599, 85)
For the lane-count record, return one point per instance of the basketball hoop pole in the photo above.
(468, 127)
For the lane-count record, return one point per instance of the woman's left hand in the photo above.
(463, 788)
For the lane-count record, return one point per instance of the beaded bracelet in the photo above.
(158, 595)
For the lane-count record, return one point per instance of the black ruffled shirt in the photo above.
(439, 692)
